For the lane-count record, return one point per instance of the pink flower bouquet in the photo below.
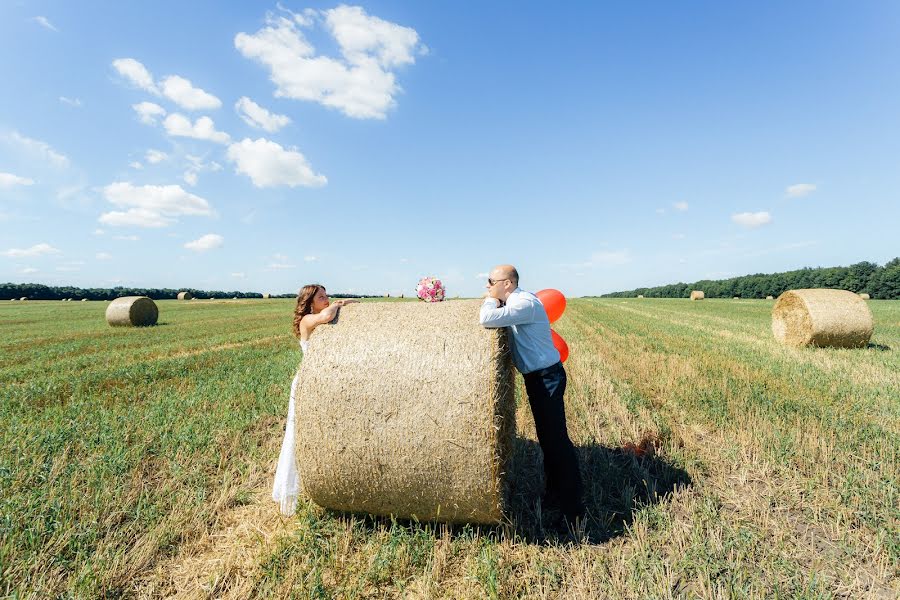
(430, 289)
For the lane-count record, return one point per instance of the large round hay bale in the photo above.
(132, 311)
(697, 295)
(185, 295)
(770, 297)
(640, 295)
(23, 299)
(266, 296)
(736, 298)
(822, 317)
(864, 296)
(408, 409)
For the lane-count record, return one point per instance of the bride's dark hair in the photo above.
(305, 298)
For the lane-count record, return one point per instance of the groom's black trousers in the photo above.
(546, 388)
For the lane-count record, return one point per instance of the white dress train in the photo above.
(286, 488)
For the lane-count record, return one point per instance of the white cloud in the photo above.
(751, 219)
(609, 258)
(103, 256)
(8, 180)
(36, 250)
(310, 258)
(269, 165)
(148, 112)
(98, 232)
(205, 242)
(28, 270)
(239, 275)
(44, 22)
(70, 101)
(37, 149)
(481, 275)
(136, 73)
(280, 266)
(361, 84)
(678, 236)
(151, 205)
(126, 238)
(183, 93)
(798, 190)
(155, 156)
(190, 178)
(680, 206)
(256, 116)
(136, 165)
(280, 257)
(204, 128)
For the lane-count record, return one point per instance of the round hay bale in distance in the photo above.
(23, 299)
(736, 298)
(697, 295)
(408, 409)
(185, 296)
(864, 296)
(132, 311)
(770, 297)
(640, 295)
(822, 317)
(266, 296)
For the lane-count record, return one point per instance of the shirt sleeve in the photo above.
(516, 312)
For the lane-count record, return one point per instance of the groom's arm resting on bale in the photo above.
(516, 311)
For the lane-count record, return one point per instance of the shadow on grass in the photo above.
(880, 347)
(617, 484)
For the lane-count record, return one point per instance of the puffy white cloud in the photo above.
(8, 180)
(136, 165)
(256, 116)
(151, 205)
(28, 270)
(44, 22)
(280, 267)
(481, 276)
(204, 128)
(310, 258)
(798, 190)
(98, 231)
(148, 112)
(268, 164)
(191, 178)
(136, 73)
(155, 156)
(103, 256)
(680, 206)
(205, 242)
(752, 219)
(126, 238)
(361, 84)
(183, 93)
(70, 101)
(37, 149)
(41, 249)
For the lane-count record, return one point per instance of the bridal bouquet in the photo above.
(430, 289)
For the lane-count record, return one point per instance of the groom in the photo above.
(534, 355)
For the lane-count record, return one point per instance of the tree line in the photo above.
(37, 291)
(882, 282)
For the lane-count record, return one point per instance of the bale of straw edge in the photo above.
(864, 296)
(408, 409)
(132, 311)
(185, 296)
(822, 317)
(697, 295)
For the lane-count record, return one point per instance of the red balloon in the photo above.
(561, 345)
(554, 303)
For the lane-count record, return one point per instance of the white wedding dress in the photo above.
(287, 478)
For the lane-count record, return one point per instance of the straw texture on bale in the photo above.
(185, 296)
(697, 295)
(864, 296)
(132, 311)
(407, 409)
(822, 317)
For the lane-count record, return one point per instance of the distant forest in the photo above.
(865, 277)
(37, 291)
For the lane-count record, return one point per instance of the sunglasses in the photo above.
(493, 282)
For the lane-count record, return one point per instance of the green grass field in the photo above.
(137, 463)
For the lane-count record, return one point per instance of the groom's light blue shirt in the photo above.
(532, 347)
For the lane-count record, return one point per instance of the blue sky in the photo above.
(597, 146)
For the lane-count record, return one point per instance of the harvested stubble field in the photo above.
(137, 463)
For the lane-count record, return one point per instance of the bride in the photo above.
(313, 309)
